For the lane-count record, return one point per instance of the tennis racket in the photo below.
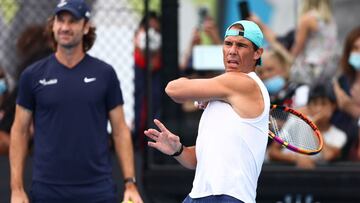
(294, 130)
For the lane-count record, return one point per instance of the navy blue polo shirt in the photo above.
(70, 109)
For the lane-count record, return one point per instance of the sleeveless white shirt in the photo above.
(230, 150)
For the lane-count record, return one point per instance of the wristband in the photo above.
(130, 180)
(178, 152)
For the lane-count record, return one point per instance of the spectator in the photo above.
(347, 88)
(321, 106)
(315, 45)
(207, 32)
(141, 86)
(275, 74)
(4, 124)
(30, 47)
(350, 64)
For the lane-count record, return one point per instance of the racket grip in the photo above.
(200, 104)
(196, 104)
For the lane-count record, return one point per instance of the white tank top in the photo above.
(230, 150)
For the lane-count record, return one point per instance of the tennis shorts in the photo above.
(212, 199)
(99, 192)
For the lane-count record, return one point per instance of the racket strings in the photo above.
(292, 129)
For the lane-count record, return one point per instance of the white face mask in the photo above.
(154, 39)
(3, 86)
(354, 60)
(275, 84)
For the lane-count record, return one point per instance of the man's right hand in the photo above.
(164, 141)
(19, 196)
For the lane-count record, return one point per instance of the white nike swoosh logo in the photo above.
(48, 82)
(87, 80)
(61, 4)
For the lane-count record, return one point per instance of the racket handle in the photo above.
(200, 104)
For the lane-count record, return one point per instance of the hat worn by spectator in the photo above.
(251, 31)
(78, 8)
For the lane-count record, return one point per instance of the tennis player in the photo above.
(233, 130)
(69, 96)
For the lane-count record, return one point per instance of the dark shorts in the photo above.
(99, 192)
(212, 199)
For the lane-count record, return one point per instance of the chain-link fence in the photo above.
(115, 20)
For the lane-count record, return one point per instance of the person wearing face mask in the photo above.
(140, 79)
(354, 60)
(30, 47)
(347, 89)
(275, 73)
(3, 86)
(4, 129)
(315, 42)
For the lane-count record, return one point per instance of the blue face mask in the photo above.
(3, 86)
(274, 84)
(354, 60)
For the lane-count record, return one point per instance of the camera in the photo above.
(244, 9)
